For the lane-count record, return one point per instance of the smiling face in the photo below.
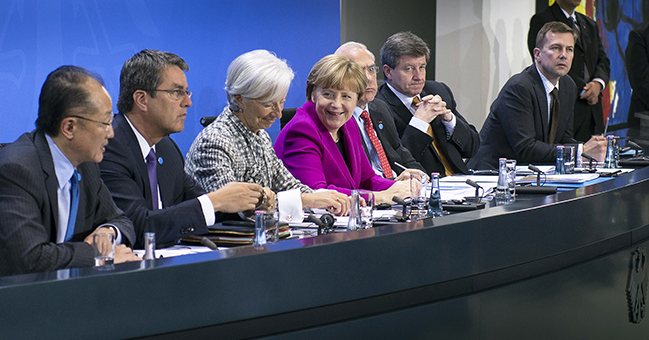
(555, 58)
(409, 76)
(334, 107)
(256, 115)
(166, 114)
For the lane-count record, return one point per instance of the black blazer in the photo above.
(464, 142)
(637, 64)
(517, 126)
(124, 172)
(29, 213)
(386, 132)
(589, 51)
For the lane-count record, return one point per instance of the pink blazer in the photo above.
(311, 155)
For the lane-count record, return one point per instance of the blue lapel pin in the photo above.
(160, 160)
(380, 125)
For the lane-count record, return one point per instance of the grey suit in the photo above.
(386, 132)
(28, 219)
(517, 126)
(463, 143)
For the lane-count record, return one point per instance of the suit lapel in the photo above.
(541, 100)
(165, 175)
(130, 140)
(396, 105)
(51, 182)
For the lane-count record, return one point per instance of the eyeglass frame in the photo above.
(107, 125)
(367, 69)
(178, 94)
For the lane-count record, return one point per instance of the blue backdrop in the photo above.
(38, 36)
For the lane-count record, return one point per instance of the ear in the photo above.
(140, 99)
(387, 71)
(313, 94)
(537, 54)
(67, 128)
(239, 99)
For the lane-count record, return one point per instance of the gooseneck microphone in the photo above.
(208, 243)
(477, 187)
(404, 216)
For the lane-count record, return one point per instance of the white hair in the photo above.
(259, 75)
(352, 45)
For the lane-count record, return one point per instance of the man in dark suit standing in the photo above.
(52, 198)
(590, 66)
(373, 118)
(143, 167)
(424, 111)
(533, 111)
(637, 63)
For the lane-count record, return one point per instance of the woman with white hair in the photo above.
(235, 147)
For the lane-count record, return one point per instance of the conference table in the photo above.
(566, 265)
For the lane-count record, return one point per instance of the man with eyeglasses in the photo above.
(425, 113)
(143, 166)
(374, 120)
(51, 196)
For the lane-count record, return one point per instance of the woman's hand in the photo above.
(400, 189)
(405, 175)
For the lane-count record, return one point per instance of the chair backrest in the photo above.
(287, 114)
(2, 145)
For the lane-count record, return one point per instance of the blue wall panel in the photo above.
(38, 36)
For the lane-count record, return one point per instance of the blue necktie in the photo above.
(153, 178)
(74, 205)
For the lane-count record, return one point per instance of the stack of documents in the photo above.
(568, 178)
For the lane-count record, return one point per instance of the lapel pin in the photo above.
(160, 160)
(380, 124)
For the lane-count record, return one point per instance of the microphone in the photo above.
(473, 184)
(311, 218)
(398, 200)
(633, 145)
(534, 168)
(208, 243)
(404, 216)
(477, 187)
(538, 174)
(589, 157)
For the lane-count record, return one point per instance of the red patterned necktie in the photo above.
(387, 171)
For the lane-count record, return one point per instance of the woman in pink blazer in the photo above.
(321, 146)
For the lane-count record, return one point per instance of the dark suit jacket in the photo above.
(589, 51)
(29, 210)
(464, 142)
(517, 126)
(386, 132)
(124, 172)
(637, 64)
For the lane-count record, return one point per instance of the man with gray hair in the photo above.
(374, 119)
(143, 167)
(424, 111)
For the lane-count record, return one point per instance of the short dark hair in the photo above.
(62, 92)
(554, 27)
(143, 71)
(403, 43)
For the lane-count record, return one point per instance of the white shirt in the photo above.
(64, 170)
(548, 88)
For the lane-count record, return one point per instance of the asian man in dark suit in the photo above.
(53, 200)
(533, 111)
(424, 112)
(379, 122)
(590, 66)
(143, 166)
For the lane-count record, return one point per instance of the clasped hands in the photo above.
(432, 106)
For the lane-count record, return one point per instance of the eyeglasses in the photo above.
(106, 125)
(177, 94)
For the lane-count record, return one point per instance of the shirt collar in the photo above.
(546, 83)
(144, 145)
(62, 166)
(407, 101)
(568, 16)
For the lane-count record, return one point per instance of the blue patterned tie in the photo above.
(74, 205)
(153, 178)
